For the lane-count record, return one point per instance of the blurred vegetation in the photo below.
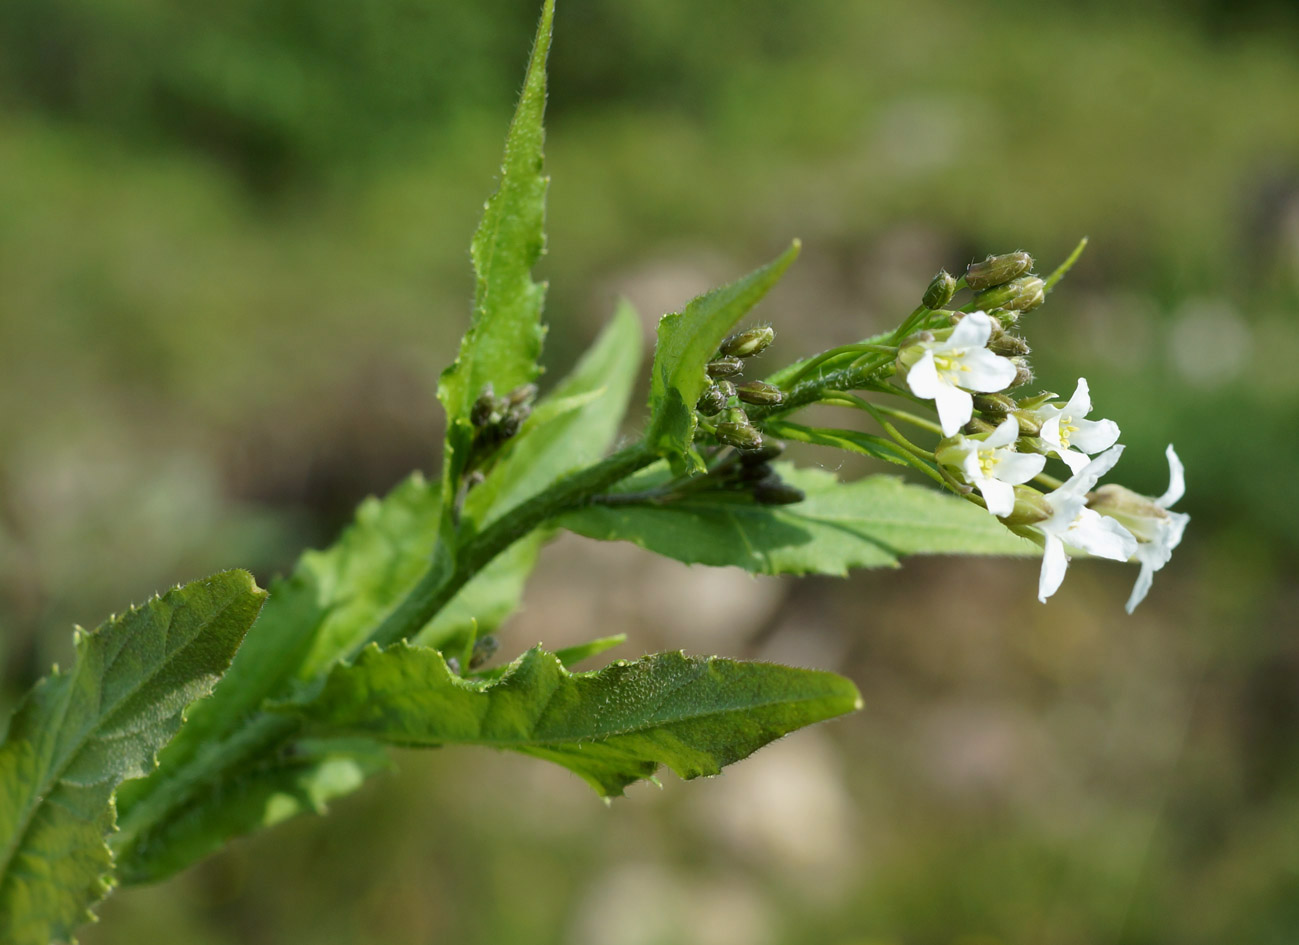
(233, 259)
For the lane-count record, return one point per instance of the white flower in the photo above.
(1064, 427)
(1073, 524)
(992, 465)
(1157, 530)
(944, 371)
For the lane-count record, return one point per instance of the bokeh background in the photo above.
(233, 259)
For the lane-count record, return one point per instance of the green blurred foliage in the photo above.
(233, 257)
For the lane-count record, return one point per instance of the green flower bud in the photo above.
(1030, 507)
(1137, 513)
(484, 649)
(1031, 292)
(745, 344)
(724, 367)
(523, 394)
(1023, 373)
(485, 407)
(1029, 423)
(997, 405)
(759, 392)
(940, 291)
(712, 402)
(775, 491)
(1006, 344)
(511, 422)
(769, 450)
(978, 425)
(997, 270)
(752, 473)
(738, 432)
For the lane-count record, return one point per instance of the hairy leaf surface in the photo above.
(553, 442)
(78, 734)
(687, 341)
(612, 727)
(868, 523)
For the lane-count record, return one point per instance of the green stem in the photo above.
(436, 588)
(1064, 267)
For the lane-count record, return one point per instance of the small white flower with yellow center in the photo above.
(1070, 436)
(1157, 530)
(945, 371)
(1074, 525)
(991, 465)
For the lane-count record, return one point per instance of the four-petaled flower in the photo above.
(1070, 436)
(945, 371)
(1157, 530)
(992, 465)
(1073, 524)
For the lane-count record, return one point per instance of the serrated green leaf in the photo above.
(612, 727)
(568, 655)
(868, 523)
(319, 614)
(78, 734)
(687, 341)
(556, 441)
(504, 338)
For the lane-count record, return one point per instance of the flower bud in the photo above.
(1031, 293)
(511, 422)
(997, 405)
(485, 407)
(775, 491)
(712, 402)
(1137, 513)
(1038, 399)
(523, 394)
(484, 649)
(759, 392)
(1030, 424)
(769, 450)
(1030, 507)
(736, 431)
(1006, 344)
(1023, 373)
(755, 472)
(997, 270)
(745, 344)
(978, 425)
(724, 367)
(940, 291)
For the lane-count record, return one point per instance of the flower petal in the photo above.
(955, 407)
(1019, 467)
(1075, 460)
(1007, 432)
(1141, 588)
(1000, 496)
(1080, 404)
(1086, 478)
(1176, 480)
(1054, 564)
(1101, 536)
(972, 331)
(1092, 436)
(922, 378)
(984, 371)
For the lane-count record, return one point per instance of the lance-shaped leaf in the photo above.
(555, 442)
(868, 523)
(687, 341)
(612, 727)
(504, 337)
(210, 780)
(78, 734)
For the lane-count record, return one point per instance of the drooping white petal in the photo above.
(972, 331)
(1101, 536)
(1054, 564)
(955, 406)
(1176, 480)
(1092, 436)
(922, 377)
(999, 495)
(1019, 467)
(1080, 404)
(1075, 460)
(1086, 478)
(1141, 588)
(987, 372)
(1007, 432)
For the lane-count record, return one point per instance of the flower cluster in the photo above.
(997, 444)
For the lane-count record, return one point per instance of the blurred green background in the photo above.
(233, 259)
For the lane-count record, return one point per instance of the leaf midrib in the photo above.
(37, 797)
